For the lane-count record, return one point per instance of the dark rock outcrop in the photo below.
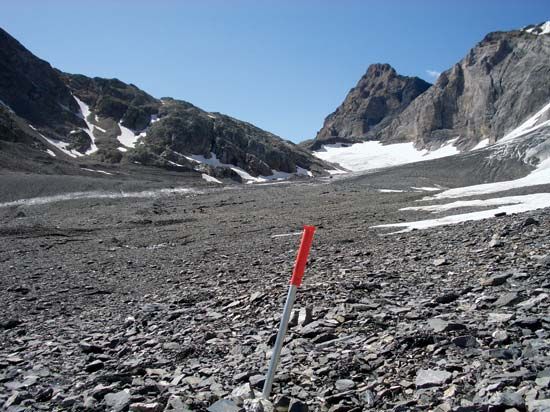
(33, 90)
(88, 116)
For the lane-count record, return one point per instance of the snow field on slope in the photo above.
(363, 156)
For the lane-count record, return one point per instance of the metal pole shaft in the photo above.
(274, 362)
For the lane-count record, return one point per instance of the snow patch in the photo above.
(122, 149)
(96, 171)
(127, 137)
(336, 172)
(426, 189)
(540, 29)
(483, 143)
(512, 204)
(391, 191)
(51, 153)
(210, 179)
(85, 112)
(528, 126)
(303, 172)
(370, 155)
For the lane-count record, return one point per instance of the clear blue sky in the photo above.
(282, 65)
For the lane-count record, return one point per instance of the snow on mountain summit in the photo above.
(543, 28)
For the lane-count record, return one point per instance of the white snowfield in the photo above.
(513, 204)
(276, 175)
(210, 179)
(84, 113)
(507, 204)
(360, 157)
(127, 137)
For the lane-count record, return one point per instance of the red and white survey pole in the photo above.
(295, 282)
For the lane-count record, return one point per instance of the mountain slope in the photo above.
(78, 118)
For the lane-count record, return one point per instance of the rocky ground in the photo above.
(172, 303)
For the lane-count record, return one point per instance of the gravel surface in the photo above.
(172, 302)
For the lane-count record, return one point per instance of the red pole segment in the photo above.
(301, 258)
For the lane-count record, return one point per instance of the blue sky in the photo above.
(282, 65)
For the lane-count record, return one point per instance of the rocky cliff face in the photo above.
(501, 82)
(107, 120)
(379, 96)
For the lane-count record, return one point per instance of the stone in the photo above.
(496, 280)
(440, 262)
(88, 347)
(305, 316)
(282, 403)
(439, 325)
(543, 382)
(530, 221)
(297, 406)
(531, 302)
(117, 401)
(343, 385)
(446, 298)
(257, 381)
(500, 336)
(426, 378)
(175, 404)
(94, 366)
(506, 299)
(10, 324)
(539, 405)
(146, 407)
(507, 399)
(224, 405)
(466, 341)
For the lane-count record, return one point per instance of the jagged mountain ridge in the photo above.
(501, 82)
(107, 120)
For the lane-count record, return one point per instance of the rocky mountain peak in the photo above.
(380, 69)
(379, 95)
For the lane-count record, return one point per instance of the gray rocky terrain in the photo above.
(128, 283)
(171, 303)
